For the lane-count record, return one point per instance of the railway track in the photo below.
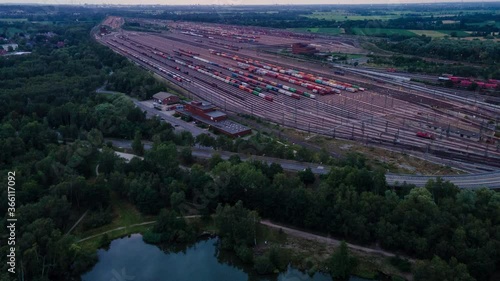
(318, 117)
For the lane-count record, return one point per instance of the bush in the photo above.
(278, 257)
(263, 265)
(244, 253)
(151, 237)
(401, 264)
(96, 219)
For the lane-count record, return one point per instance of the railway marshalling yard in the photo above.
(225, 65)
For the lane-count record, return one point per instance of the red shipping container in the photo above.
(465, 83)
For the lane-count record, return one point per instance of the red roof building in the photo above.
(208, 114)
(165, 98)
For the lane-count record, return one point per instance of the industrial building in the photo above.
(13, 47)
(207, 113)
(303, 49)
(165, 98)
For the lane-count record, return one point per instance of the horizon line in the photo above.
(210, 5)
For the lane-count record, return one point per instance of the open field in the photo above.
(12, 30)
(459, 33)
(429, 33)
(324, 30)
(446, 13)
(440, 33)
(381, 31)
(12, 20)
(344, 16)
(413, 32)
(497, 24)
(125, 214)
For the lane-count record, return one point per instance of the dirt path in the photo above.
(287, 230)
(132, 225)
(115, 229)
(327, 240)
(80, 219)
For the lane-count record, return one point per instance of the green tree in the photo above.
(307, 176)
(341, 263)
(236, 225)
(186, 156)
(263, 265)
(205, 140)
(137, 145)
(439, 270)
(170, 227)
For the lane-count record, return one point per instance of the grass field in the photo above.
(125, 214)
(440, 33)
(460, 33)
(497, 24)
(323, 30)
(12, 30)
(380, 31)
(450, 21)
(12, 20)
(443, 13)
(429, 33)
(344, 16)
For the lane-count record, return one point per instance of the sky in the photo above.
(232, 2)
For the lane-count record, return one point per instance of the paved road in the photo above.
(289, 165)
(150, 112)
(177, 123)
(468, 181)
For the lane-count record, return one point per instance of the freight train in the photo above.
(490, 84)
(294, 76)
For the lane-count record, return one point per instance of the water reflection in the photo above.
(131, 259)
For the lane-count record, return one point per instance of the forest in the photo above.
(416, 64)
(473, 51)
(53, 134)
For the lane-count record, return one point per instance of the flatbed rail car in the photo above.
(425, 135)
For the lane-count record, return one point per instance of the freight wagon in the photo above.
(425, 135)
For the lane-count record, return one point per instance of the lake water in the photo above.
(131, 259)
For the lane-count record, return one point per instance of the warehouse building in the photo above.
(208, 114)
(165, 98)
(205, 110)
(8, 47)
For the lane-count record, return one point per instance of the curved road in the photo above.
(469, 181)
(490, 180)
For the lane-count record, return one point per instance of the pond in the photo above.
(131, 259)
